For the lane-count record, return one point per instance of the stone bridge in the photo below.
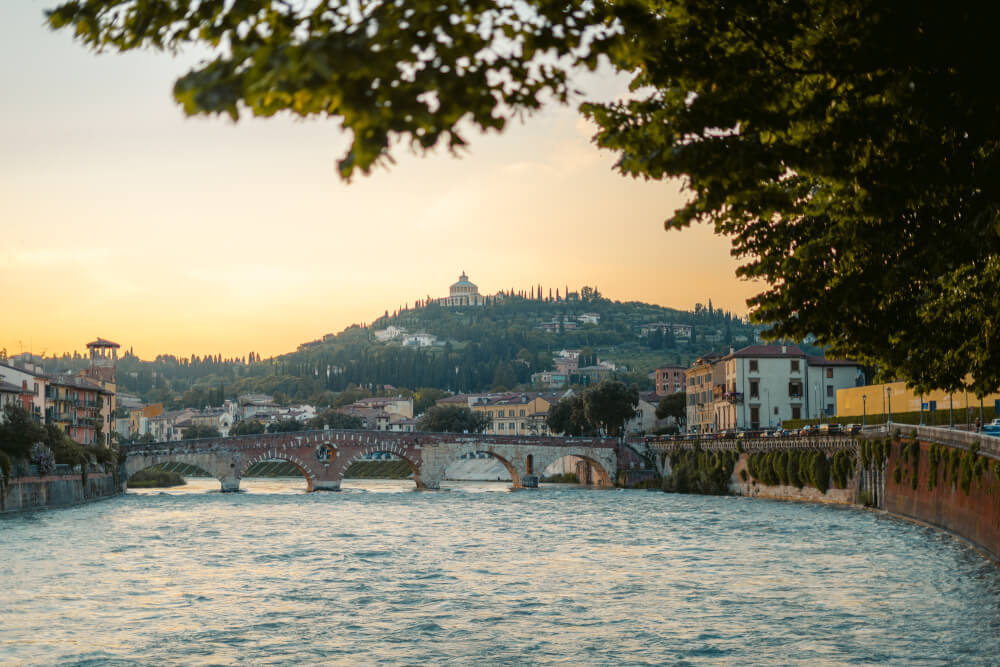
(324, 456)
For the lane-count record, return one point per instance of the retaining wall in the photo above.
(33, 493)
(974, 515)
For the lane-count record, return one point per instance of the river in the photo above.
(475, 574)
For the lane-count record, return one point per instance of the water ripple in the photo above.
(478, 575)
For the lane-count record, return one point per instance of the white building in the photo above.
(767, 384)
(420, 340)
(389, 333)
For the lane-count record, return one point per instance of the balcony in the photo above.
(735, 397)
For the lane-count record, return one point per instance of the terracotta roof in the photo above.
(775, 351)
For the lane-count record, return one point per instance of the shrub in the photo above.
(5, 467)
(695, 471)
(41, 456)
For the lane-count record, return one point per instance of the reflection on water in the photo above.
(477, 574)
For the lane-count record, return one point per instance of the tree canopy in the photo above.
(673, 405)
(453, 419)
(604, 407)
(848, 148)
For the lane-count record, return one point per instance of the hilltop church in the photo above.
(463, 293)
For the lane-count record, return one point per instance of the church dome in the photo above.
(463, 286)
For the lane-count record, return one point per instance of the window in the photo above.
(776, 409)
(36, 389)
(522, 413)
(755, 416)
(829, 408)
(829, 391)
(796, 412)
(754, 389)
(829, 373)
(753, 365)
(795, 390)
(501, 427)
(795, 365)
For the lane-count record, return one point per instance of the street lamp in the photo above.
(767, 395)
(888, 394)
(864, 409)
(951, 411)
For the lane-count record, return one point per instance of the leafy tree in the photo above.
(335, 420)
(569, 417)
(247, 427)
(285, 426)
(504, 379)
(453, 419)
(814, 133)
(62, 446)
(18, 432)
(425, 397)
(199, 431)
(672, 405)
(610, 404)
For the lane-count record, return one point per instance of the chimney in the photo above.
(732, 350)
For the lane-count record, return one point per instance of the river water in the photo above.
(479, 575)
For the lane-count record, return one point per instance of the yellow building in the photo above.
(520, 413)
(877, 400)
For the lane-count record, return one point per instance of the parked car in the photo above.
(853, 429)
(809, 429)
(993, 428)
(831, 429)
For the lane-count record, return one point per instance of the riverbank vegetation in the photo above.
(564, 478)
(155, 478)
(701, 472)
(801, 468)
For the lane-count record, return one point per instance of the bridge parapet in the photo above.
(366, 438)
(989, 445)
(755, 444)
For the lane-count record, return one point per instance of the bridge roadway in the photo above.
(324, 456)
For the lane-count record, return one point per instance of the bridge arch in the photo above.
(345, 463)
(302, 466)
(599, 473)
(211, 465)
(508, 463)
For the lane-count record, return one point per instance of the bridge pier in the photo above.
(326, 485)
(230, 484)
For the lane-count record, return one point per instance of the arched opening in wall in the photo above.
(481, 466)
(529, 464)
(276, 475)
(378, 469)
(576, 469)
(171, 475)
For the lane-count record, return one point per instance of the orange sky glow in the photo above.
(120, 218)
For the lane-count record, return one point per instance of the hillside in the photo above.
(463, 349)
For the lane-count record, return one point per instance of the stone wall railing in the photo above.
(988, 445)
(757, 444)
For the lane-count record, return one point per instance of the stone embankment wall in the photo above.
(754, 489)
(32, 493)
(937, 496)
(944, 478)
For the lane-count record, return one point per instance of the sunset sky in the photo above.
(121, 218)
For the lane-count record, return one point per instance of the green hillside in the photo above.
(478, 348)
